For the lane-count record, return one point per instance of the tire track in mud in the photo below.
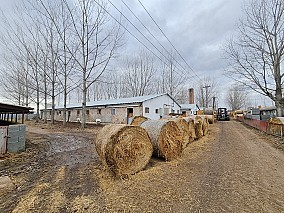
(62, 178)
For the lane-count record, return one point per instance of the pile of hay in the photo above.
(124, 150)
(137, 120)
(165, 137)
(184, 130)
(191, 128)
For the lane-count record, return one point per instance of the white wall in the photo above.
(160, 103)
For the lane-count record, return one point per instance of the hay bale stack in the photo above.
(123, 149)
(191, 128)
(198, 125)
(137, 120)
(165, 137)
(184, 130)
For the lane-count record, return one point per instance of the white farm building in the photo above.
(120, 110)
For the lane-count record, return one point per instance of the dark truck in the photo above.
(222, 114)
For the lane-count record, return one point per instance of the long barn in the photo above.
(120, 110)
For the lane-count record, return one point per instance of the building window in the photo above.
(157, 111)
(99, 112)
(59, 112)
(78, 112)
(113, 111)
(147, 110)
(87, 112)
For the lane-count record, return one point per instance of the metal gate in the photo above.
(3, 139)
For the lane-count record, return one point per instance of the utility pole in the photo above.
(206, 95)
(214, 99)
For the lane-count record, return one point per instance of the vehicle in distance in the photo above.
(222, 114)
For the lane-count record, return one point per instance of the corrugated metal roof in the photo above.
(132, 100)
(9, 108)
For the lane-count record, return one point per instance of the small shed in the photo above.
(12, 134)
(189, 109)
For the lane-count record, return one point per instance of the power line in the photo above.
(133, 35)
(142, 34)
(168, 39)
(153, 35)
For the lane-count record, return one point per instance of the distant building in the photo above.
(120, 110)
(188, 109)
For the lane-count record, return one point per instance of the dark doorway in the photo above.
(129, 115)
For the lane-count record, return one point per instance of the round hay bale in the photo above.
(184, 130)
(165, 137)
(210, 119)
(191, 128)
(124, 149)
(205, 124)
(275, 125)
(208, 111)
(276, 120)
(137, 120)
(198, 125)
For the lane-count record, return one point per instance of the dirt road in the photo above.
(232, 169)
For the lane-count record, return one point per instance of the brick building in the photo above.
(120, 110)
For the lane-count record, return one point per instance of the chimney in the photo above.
(191, 96)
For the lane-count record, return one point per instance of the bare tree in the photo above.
(139, 74)
(98, 41)
(255, 57)
(236, 98)
(58, 13)
(205, 91)
(170, 78)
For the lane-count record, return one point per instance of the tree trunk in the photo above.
(53, 99)
(45, 98)
(84, 103)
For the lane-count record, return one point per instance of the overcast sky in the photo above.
(197, 28)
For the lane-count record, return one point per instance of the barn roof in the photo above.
(120, 101)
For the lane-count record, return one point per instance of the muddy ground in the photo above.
(233, 169)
